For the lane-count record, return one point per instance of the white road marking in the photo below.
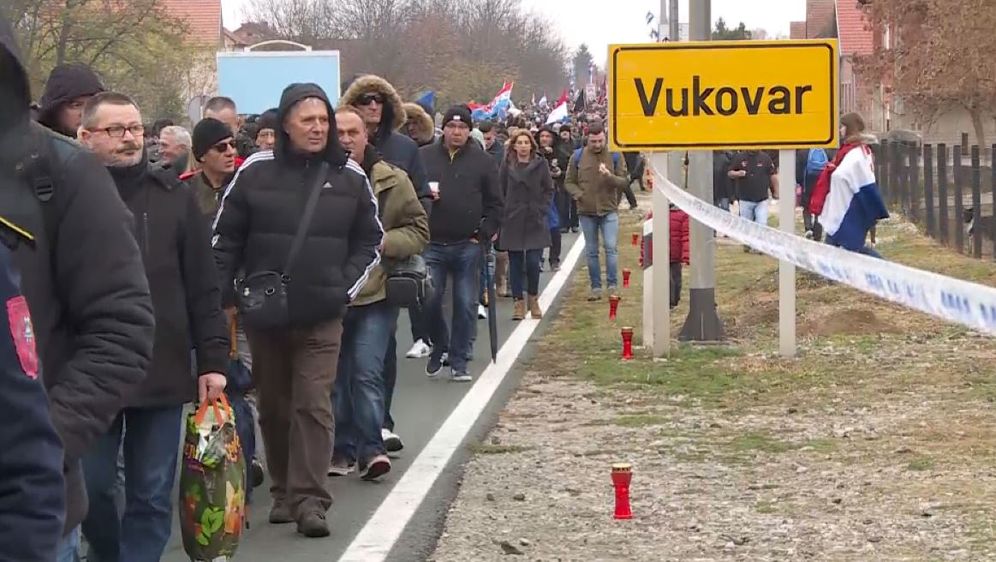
(376, 539)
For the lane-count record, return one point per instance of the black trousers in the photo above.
(675, 283)
(556, 244)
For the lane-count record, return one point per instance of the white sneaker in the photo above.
(392, 443)
(482, 312)
(459, 376)
(419, 351)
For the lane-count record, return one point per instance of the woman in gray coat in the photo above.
(528, 189)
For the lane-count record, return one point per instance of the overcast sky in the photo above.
(601, 22)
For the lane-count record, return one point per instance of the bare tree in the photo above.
(463, 49)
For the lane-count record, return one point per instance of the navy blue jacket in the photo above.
(32, 489)
(401, 151)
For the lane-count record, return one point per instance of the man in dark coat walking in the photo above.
(32, 489)
(187, 303)
(294, 368)
(83, 277)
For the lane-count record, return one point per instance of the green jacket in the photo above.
(596, 194)
(405, 224)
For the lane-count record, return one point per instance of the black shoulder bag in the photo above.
(408, 283)
(262, 296)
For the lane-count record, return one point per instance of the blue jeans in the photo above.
(524, 271)
(151, 446)
(756, 212)
(608, 227)
(462, 261)
(69, 547)
(358, 394)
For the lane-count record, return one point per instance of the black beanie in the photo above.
(458, 113)
(207, 133)
(267, 120)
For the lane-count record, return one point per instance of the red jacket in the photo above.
(679, 236)
(822, 189)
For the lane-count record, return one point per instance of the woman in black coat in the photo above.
(528, 189)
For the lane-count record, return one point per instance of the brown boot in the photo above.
(534, 307)
(520, 310)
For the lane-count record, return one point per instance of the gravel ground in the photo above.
(876, 444)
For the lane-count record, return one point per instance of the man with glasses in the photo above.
(175, 244)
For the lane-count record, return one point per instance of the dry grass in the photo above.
(876, 443)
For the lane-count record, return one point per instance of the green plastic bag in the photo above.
(212, 484)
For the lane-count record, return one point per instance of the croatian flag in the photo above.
(499, 106)
(559, 112)
(854, 203)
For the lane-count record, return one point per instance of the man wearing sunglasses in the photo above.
(175, 244)
(384, 115)
(215, 150)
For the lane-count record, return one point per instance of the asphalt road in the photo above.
(420, 407)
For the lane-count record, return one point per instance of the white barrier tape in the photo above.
(955, 300)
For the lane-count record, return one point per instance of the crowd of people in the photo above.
(252, 257)
(255, 257)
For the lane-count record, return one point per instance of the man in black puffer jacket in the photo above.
(173, 239)
(82, 277)
(294, 368)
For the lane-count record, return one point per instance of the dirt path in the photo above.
(876, 444)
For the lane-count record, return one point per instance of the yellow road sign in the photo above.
(724, 95)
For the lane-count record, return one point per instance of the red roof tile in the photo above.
(855, 37)
(203, 18)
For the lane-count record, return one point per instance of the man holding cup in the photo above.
(466, 211)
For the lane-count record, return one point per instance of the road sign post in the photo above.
(736, 95)
(786, 270)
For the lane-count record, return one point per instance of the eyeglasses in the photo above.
(367, 99)
(223, 146)
(118, 131)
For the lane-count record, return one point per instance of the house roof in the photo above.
(820, 17)
(855, 36)
(203, 17)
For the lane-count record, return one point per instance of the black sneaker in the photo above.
(434, 365)
(313, 525)
(255, 474)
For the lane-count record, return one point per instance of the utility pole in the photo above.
(662, 22)
(703, 322)
(675, 26)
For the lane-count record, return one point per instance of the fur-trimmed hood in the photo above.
(393, 109)
(420, 124)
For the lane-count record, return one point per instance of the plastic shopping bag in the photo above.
(212, 484)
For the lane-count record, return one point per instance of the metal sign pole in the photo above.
(661, 306)
(786, 270)
(703, 322)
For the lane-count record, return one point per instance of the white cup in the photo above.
(434, 188)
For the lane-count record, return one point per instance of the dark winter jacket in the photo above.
(470, 203)
(722, 185)
(82, 276)
(394, 147)
(526, 192)
(262, 208)
(32, 489)
(497, 152)
(174, 241)
(66, 83)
